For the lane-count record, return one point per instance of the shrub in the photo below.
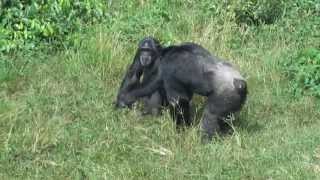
(23, 24)
(303, 71)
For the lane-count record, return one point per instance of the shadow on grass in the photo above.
(245, 124)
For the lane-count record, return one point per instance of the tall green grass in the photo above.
(57, 120)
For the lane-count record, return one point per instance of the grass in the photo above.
(57, 120)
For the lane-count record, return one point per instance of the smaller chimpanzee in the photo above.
(144, 64)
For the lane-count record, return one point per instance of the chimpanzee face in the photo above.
(146, 57)
(148, 51)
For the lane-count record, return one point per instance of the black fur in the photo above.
(150, 49)
(187, 69)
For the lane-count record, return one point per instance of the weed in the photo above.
(304, 72)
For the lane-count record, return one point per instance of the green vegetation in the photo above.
(57, 119)
(304, 70)
(26, 23)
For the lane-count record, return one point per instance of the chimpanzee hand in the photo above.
(125, 100)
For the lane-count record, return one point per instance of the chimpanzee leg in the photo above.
(179, 101)
(152, 105)
(217, 109)
(175, 115)
(180, 112)
(186, 111)
(210, 123)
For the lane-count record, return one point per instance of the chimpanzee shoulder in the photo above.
(188, 47)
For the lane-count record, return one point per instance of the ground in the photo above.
(57, 119)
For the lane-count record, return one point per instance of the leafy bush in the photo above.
(304, 72)
(27, 24)
(24, 23)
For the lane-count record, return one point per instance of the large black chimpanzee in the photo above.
(144, 65)
(187, 69)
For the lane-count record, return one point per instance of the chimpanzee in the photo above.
(144, 64)
(187, 69)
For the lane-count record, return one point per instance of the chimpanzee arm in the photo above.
(132, 77)
(148, 87)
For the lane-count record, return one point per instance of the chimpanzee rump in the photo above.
(144, 64)
(187, 69)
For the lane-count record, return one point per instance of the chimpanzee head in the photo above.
(148, 51)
